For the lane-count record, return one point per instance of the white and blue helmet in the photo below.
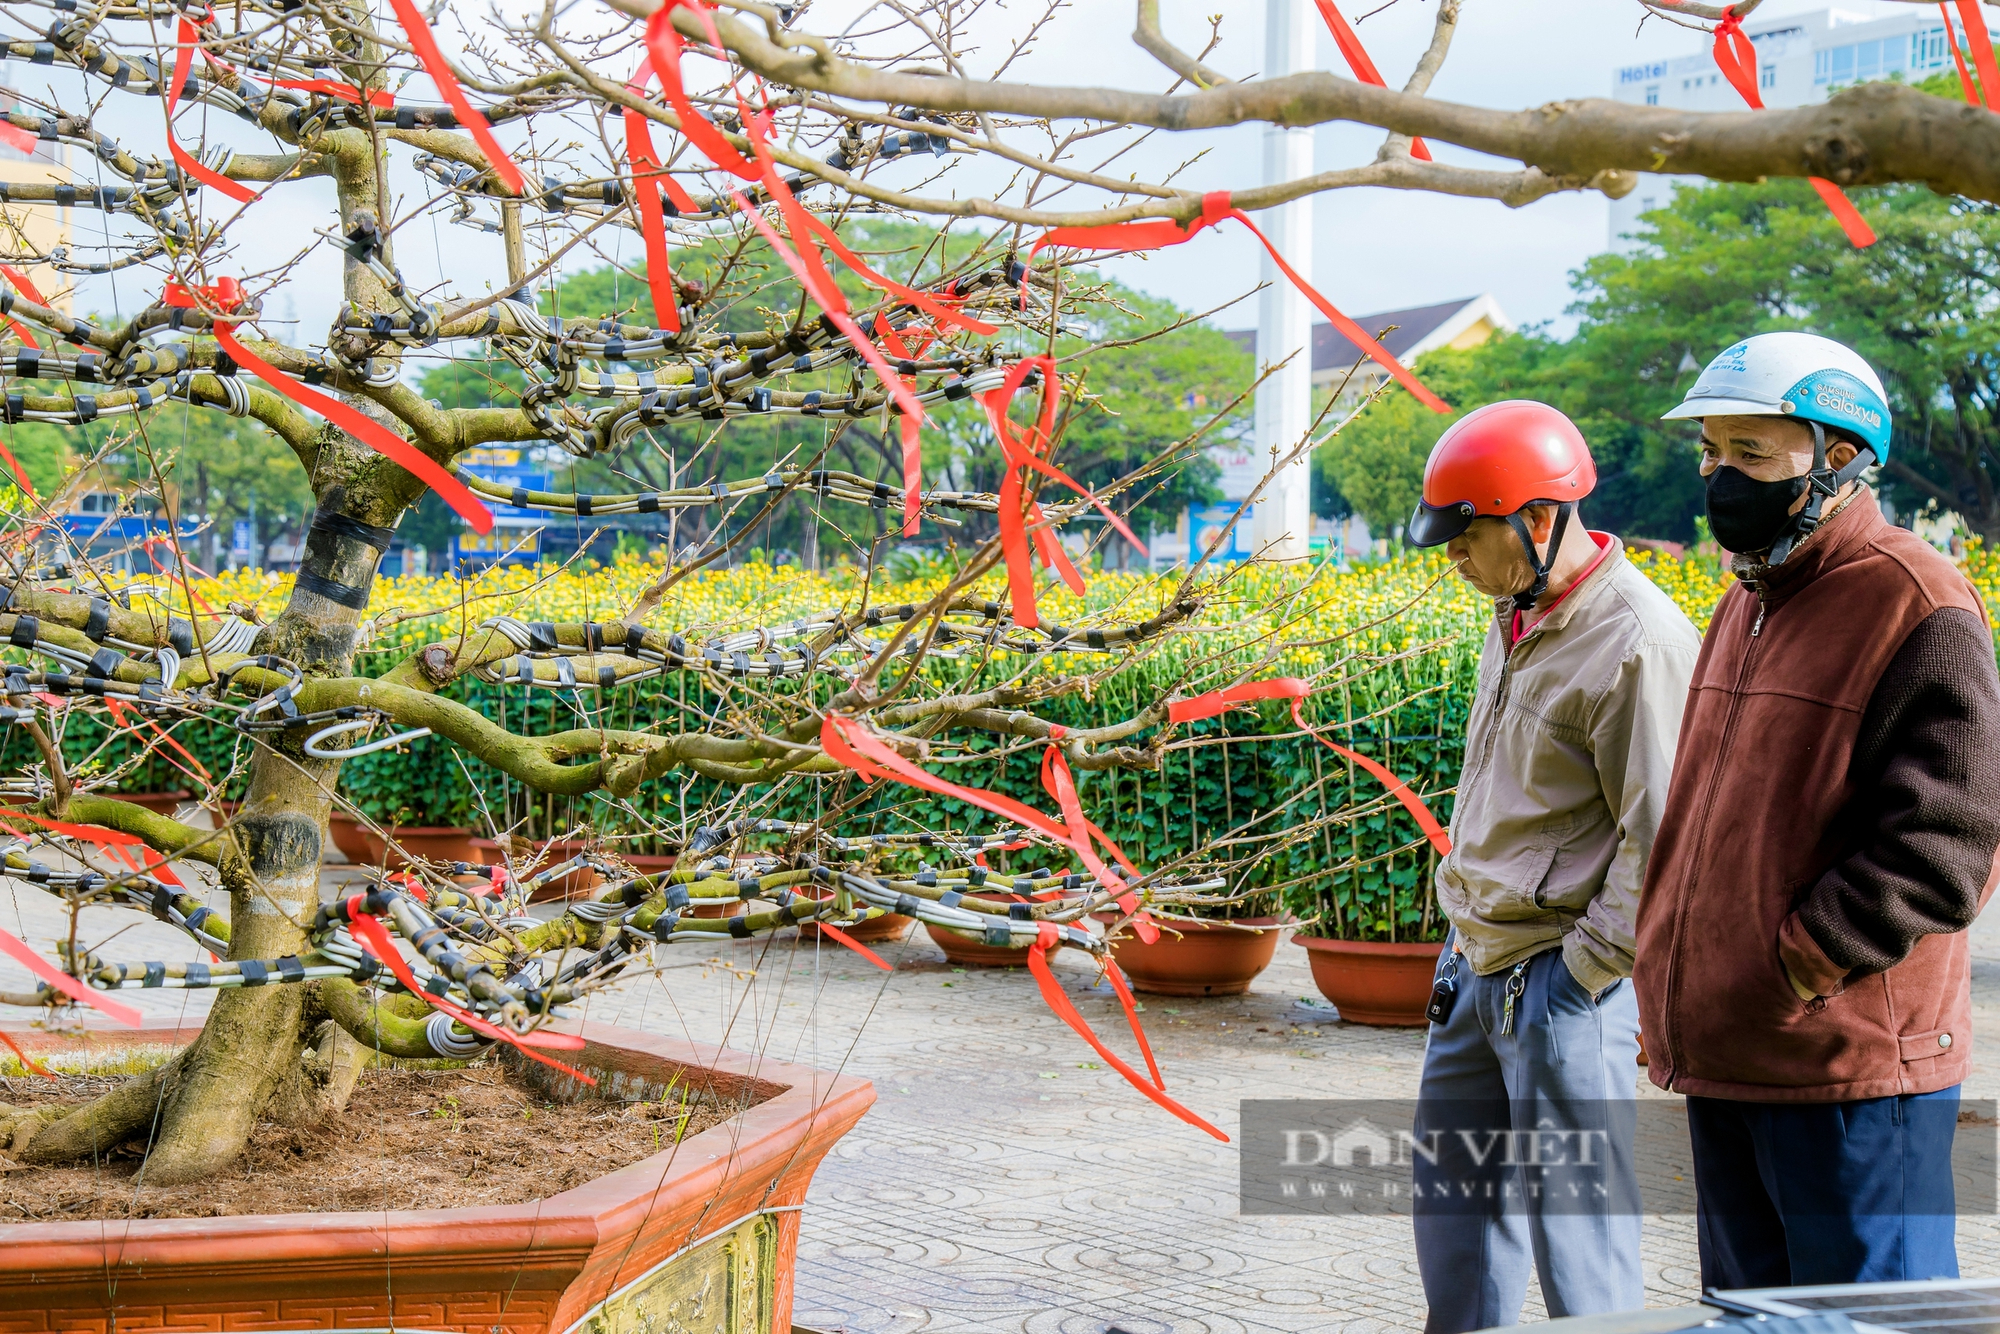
(1796, 375)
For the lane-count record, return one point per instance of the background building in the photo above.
(33, 228)
(1801, 58)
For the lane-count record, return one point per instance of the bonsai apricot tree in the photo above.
(757, 164)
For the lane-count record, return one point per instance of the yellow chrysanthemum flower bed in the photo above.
(1403, 603)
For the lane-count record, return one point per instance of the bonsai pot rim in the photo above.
(1196, 956)
(1381, 983)
(550, 1261)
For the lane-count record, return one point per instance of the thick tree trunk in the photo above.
(252, 1058)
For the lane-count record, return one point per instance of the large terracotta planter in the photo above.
(442, 843)
(1199, 958)
(965, 949)
(351, 838)
(700, 1237)
(578, 884)
(889, 926)
(160, 803)
(1374, 983)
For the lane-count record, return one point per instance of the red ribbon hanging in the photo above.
(924, 301)
(69, 986)
(20, 473)
(1019, 520)
(811, 271)
(644, 159)
(22, 331)
(1058, 1000)
(1981, 41)
(1398, 788)
(1215, 207)
(647, 175)
(16, 138)
(1364, 69)
(424, 43)
(346, 92)
(199, 772)
(1296, 690)
(1059, 783)
(1972, 91)
(1736, 57)
(806, 265)
(110, 842)
(847, 742)
(26, 1060)
(828, 928)
(663, 48)
(189, 38)
(224, 296)
(1221, 701)
(376, 937)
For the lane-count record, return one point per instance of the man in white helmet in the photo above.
(1830, 831)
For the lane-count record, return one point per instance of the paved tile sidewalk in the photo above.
(1002, 1183)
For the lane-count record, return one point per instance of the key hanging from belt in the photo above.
(1517, 982)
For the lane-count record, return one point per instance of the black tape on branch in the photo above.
(333, 591)
(342, 525)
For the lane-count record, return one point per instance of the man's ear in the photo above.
(1840, 453)
(1541, 520)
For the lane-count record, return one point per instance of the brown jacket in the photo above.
(1835, 807)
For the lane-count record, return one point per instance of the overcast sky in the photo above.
(1374, 249)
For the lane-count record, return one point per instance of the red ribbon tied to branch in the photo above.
(649, 174)
(74, 988)
(1215, 208)
(190, 37)
(806, 264)
(1357, 60)
(1020, 520)
(847, 742)
(376, 937)
(1736, 57)
(223, 296)
(424, 42)
(1296, 690)
(663, 47)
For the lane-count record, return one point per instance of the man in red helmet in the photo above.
(1568, 753)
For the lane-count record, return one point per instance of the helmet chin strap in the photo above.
(1525, 600)
(1822, 485)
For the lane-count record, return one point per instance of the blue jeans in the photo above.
(1569, 1062)
(1824, 1192)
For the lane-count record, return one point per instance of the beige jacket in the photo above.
(1567, 758)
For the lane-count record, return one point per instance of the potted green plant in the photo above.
(1375, 927)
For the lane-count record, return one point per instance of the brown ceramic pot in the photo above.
(349, 836)
(964, 949)
(1199, 958)
(889, 926)
(1371, 982)
(443, 843)
(160, 803)
(712, 1223)
(579, 884)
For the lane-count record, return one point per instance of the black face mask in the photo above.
(1748, 515)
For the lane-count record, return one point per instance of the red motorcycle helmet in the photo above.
(1495, 461)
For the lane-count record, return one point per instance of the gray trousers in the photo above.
(1569, 1063)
